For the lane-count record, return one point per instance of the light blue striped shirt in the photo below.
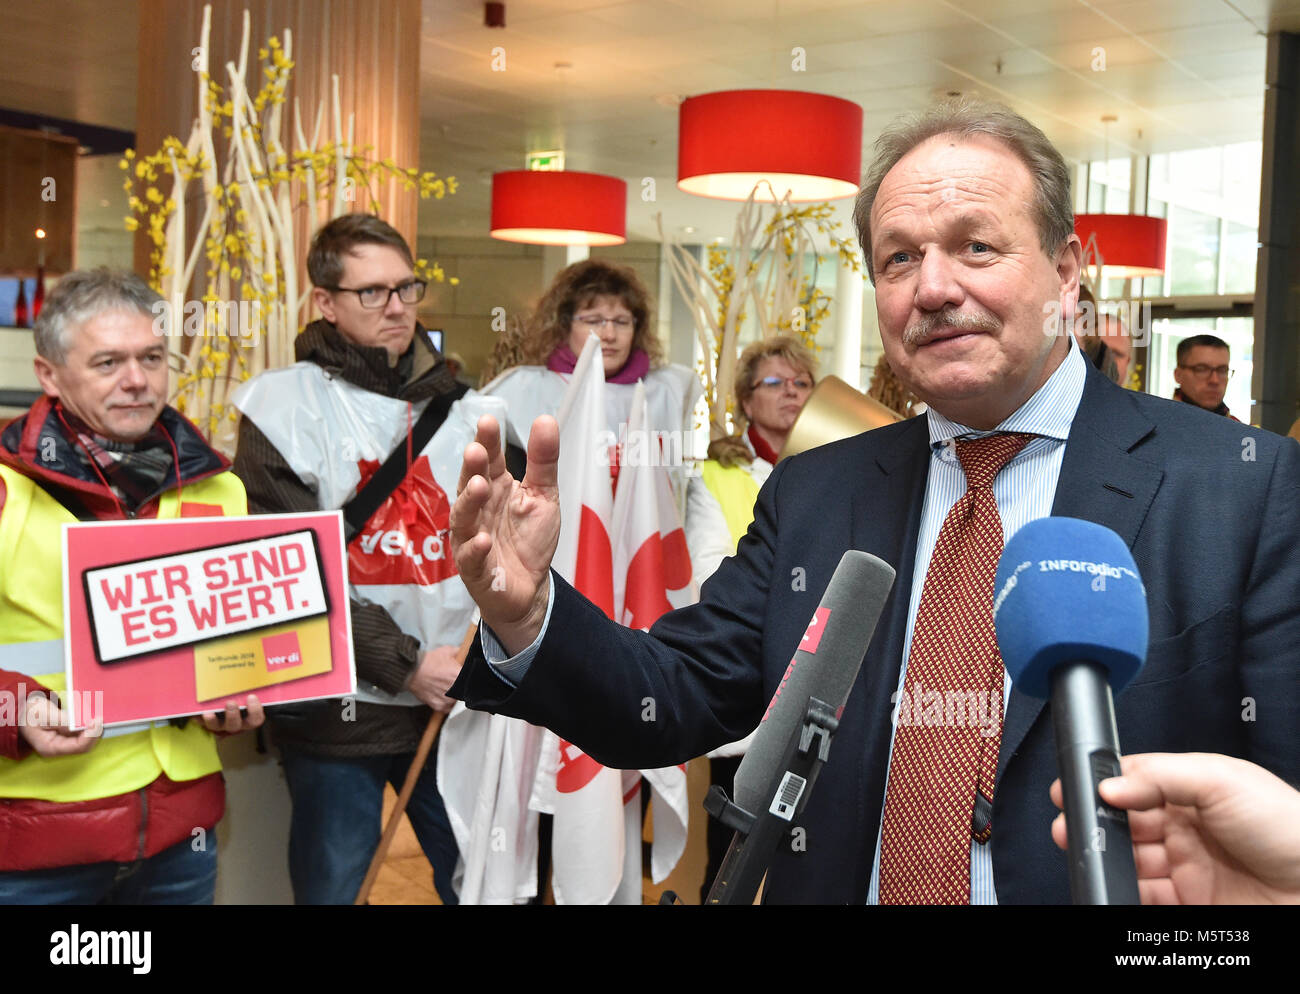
(1025, 490)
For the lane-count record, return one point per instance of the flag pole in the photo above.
(408, 786)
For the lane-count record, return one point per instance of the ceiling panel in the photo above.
(1185, 44)
(1161, 15)
(992, 10)
(1183, 73)
(1077, 26)
(892, 17)
(653, 17)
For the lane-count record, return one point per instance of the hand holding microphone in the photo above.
(1071, 618)
(1207, 829)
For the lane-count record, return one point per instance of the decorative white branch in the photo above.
(247, 226)
(767, 279)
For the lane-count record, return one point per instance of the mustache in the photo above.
(921, 331)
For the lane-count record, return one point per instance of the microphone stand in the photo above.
(759, 833)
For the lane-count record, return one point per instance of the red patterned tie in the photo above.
(950, 715)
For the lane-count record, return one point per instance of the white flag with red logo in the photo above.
(652, 575)
(587, 848)
(486, 767)
(596, 845)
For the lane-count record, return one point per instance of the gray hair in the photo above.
(81, 295)
(965, 118)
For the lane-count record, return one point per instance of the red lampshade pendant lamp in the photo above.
(1125, 246)
(559, 208)
(1130, 246)
(807, 143)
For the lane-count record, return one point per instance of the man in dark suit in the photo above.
(966, 225)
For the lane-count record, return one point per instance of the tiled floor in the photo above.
(406, 877)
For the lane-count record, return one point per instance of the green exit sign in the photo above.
(545, 161)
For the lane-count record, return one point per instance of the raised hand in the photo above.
(504, 532)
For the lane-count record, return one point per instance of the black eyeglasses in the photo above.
(1202, 371)
(374, 297)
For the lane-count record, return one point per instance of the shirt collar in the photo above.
(1049, 412)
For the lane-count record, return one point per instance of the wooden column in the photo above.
(39, 191)
(372, 45)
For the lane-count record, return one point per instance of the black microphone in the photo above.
(778, 772)
(1071, 619)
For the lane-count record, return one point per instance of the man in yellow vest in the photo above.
(88, 817)
(774, 378)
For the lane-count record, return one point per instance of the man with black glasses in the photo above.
(311, 436)
(1203, 373)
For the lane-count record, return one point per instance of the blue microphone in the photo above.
(1071, 617)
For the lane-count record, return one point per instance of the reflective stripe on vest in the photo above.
(735, 491)
(31, 610)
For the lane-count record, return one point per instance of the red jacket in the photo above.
(124, 827)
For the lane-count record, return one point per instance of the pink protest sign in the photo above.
(170, 618)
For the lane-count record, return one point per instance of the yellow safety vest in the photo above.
(735, 491)
(31, 610)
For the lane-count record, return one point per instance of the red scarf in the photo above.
(761, 448)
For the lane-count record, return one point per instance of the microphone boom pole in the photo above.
(758, 835)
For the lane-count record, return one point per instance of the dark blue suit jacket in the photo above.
(1209, 507)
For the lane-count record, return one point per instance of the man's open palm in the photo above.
(504, 532)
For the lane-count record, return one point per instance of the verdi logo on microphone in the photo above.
(812, 638)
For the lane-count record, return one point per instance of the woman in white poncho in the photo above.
(600, 298)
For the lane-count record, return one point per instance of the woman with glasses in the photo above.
(600, 298)
(773, 380)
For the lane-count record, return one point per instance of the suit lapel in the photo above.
(886, 522)
(1103, 482)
